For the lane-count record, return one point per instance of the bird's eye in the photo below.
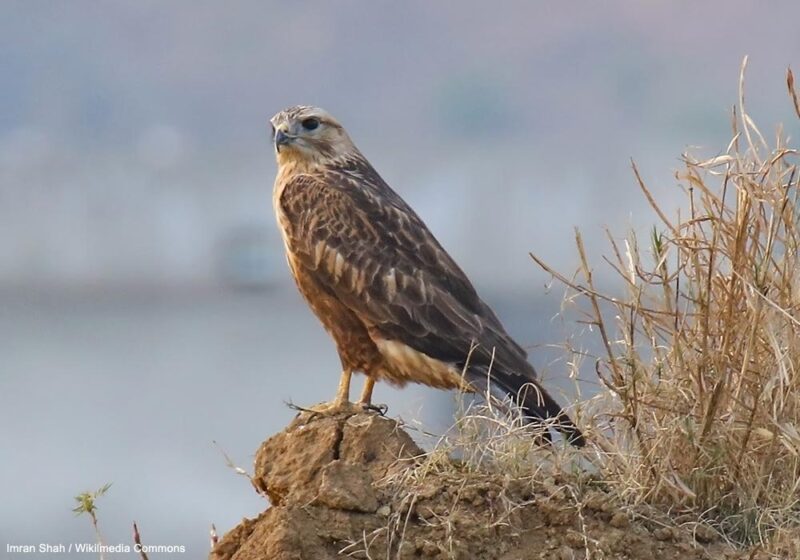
(310, 123)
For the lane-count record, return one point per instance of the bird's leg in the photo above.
(365, 400)
(342, 401)
(343, 393)
(366, 393)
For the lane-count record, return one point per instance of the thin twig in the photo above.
(137, 539)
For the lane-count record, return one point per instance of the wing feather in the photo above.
(369, 249)
(374, 254)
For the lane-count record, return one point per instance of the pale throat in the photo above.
(290, 162)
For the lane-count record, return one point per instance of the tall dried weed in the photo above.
(700, 407)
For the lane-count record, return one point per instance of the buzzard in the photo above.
(396, 304)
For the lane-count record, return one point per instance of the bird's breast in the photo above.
(284, 224)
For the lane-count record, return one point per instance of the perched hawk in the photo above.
(396, 304)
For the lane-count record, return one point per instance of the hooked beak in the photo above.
(282, 139)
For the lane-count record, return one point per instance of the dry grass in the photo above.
(698, 417)
(489, 451)
(700, 411)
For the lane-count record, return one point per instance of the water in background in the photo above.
(135, 389)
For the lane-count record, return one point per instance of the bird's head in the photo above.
(308, 137)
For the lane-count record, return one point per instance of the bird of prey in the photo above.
(396, 304)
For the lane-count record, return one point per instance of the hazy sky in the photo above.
(133, 143)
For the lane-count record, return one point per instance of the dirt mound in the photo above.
(358, 486)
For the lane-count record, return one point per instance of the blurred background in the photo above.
(146, 310)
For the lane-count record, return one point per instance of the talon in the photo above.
(341, 404)
(381, 409)
(335, 407)
(297, 407)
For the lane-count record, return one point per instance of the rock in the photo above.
(705, 534)
(317, 474)
(619, 520)
(664, 534)
(348, 487)
(357, 486)
(289, 466)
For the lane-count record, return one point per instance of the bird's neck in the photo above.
(290, 163)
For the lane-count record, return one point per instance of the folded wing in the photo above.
(364, 244)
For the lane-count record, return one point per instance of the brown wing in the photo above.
(364, 244)
(375, 255)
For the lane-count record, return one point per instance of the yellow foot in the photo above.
(335, 408)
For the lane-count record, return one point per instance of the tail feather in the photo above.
(536, 404)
